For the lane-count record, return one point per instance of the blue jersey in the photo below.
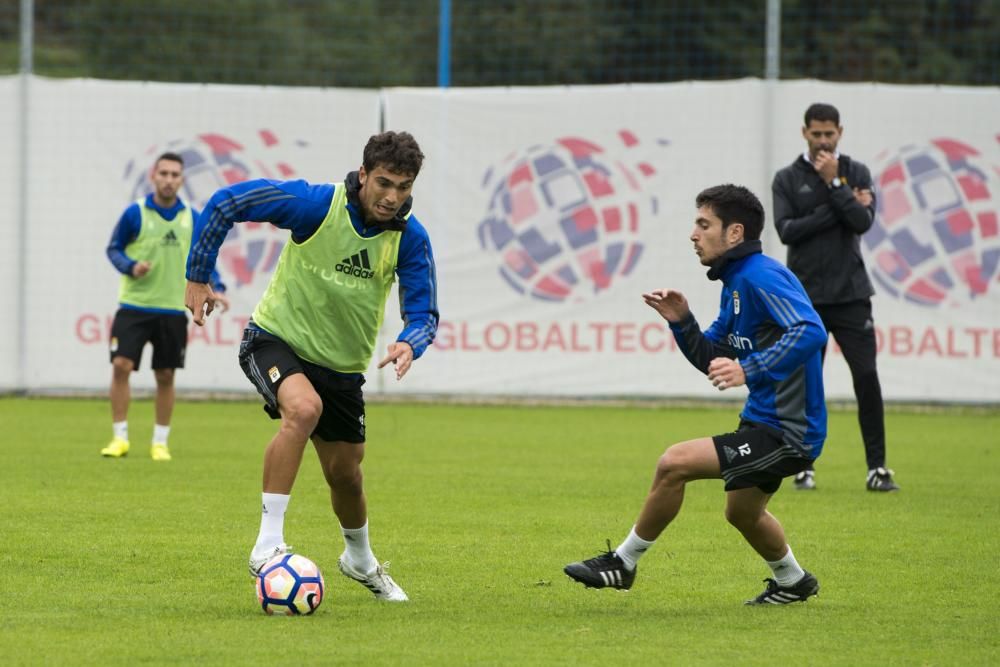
(301, 207)
(767, 322)
(127, 230)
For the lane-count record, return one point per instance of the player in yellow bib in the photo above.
(149, 247)
(313, 333)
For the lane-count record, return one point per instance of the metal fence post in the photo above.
(25, 69)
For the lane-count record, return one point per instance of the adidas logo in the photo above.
(730, 453)
(170, 238)
(805, 189)
(356, 265)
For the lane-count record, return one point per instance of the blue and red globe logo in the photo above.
(212, 161)
(936, 238)
(563, 219)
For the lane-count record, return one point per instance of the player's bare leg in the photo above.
(341, 462)
(120, 395)
(682, 463)
(165, 395)
(300, 408)
(746, 510)
(121, 370)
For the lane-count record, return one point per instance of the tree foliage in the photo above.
(378, 43)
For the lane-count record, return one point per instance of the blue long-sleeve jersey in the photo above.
(767, 322)
(301, 207)
(127, 230)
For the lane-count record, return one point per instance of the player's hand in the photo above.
(864, 196)
(401, 356)
(200, 300)
(221, 302)
(139, 269)
(670, 304)
(724, 373)
(826, 166)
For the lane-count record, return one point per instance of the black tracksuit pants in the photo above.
(852, 326)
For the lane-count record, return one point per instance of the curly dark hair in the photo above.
(734, 203)
(397, 152)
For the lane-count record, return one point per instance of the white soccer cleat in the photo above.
(377, 581)
(257, 563)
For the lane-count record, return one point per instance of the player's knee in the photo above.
(671, 468)
(164, 376)
(302, 413)
(345, 477)
(122, 366)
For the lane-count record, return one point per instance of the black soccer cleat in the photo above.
(880, 479)
(604, 571)
(798, 592)
(805, 481)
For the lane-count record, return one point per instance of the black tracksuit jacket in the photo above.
(822, 228)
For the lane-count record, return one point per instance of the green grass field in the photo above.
(125, 562)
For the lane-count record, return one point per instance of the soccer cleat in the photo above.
(257, 563)
(880, 479)
(377, 581)
(116, 449)
(805, 481)
(605, 571)
(159, 452)
(806, 587)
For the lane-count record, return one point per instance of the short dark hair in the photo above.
(734, 203)
(396, 151)
(170, 155)
(822, 112)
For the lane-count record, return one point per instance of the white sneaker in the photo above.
(377, 580)
(257, 563)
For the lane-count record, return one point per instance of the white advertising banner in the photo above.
(552, 210)
(92, 146)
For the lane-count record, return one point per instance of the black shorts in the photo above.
(756, 455)
(167, 332)
(267, 360)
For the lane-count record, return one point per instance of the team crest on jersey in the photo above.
(736, 302)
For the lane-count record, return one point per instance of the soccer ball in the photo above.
(289, 584)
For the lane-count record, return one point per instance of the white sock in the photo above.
(359, 551)
(272, 523)
(787, 570)
(160, 433)
(632, 549)
(120, 429)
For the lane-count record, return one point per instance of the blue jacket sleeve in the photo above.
(700, 348)
(294, 205)
(215, 280)
(804, 333)
(417, 288)
(126, 231)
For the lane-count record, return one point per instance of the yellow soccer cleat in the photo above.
(116, 449)
(159, 452)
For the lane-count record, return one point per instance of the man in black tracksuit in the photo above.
(823, 203)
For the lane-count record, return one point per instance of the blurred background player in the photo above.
(823, 203)
(149, 247)
(314, 331)
(766, 336)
